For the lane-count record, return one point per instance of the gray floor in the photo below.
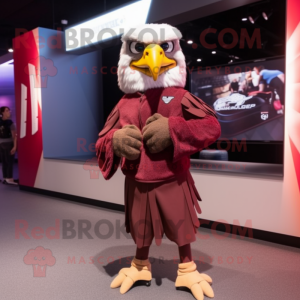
(241, 268)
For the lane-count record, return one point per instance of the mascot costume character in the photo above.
(152, 131)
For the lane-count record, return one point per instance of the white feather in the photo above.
(131, 81)
(152, 33)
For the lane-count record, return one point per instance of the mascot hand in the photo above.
(127, 142)
(156, 135)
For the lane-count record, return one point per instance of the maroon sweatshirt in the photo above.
(192, 123)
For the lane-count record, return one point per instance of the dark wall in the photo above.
(258, 152)
(175, 12)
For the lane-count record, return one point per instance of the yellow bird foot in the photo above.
(198, 283)
(139, 270)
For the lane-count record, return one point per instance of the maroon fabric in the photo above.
(195, 107)
(108, 162)
(142, 253)
(192, 124)
(185, 253)
(112, 121)
(152, 209)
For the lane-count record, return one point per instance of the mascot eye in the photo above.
(168, 46)
(136, 47)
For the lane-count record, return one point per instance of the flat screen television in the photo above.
(248, 98)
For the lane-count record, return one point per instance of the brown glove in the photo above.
(127, 142)
(156, 135)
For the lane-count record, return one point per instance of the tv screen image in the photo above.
(248, 98)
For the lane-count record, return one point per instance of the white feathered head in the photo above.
(151, 57)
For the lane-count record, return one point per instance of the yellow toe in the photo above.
(117, 281)
(207, 290)
(126, 285)
(197, 291)
(206, 277)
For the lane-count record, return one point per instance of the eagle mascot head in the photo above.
(151, 57)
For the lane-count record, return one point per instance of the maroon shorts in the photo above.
(152, 209)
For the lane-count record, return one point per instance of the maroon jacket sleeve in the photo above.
(195, 130)
(107, 160)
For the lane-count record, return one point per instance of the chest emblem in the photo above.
(167, 99)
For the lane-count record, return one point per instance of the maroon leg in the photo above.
(185, 253)
(142, 253)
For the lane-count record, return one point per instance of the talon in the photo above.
(139, 270)
(118, 281)
(206, 277)
(190, 278)
(197, 291)
(206, 288)
(126, 285)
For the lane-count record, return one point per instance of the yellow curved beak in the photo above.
(153, 62)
